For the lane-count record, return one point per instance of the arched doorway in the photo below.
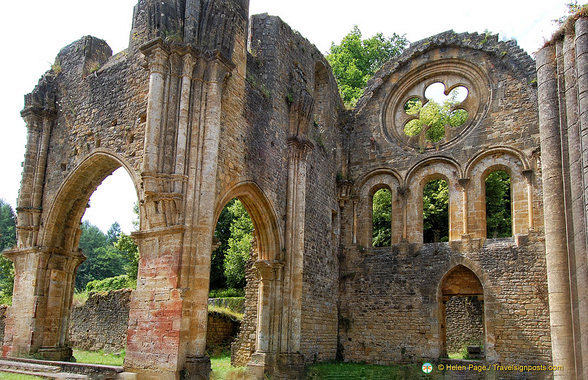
(45, 271)
(262, 294)
(461, 314)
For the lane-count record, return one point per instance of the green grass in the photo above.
(99, 357)
(222, 368)
(228, 312)
(366, 371)
(14, 376)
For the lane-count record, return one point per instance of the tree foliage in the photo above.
(239, 250)
(355, 60)
(7, 241)
(381, 218)
(433, 118)
(436, 211)
(498, 211)
(102, 258)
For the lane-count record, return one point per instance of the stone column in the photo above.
(269, 299)
(558, 278)
(576, 57)
(157, 56)
(529, 175)
(200, 204)
(299, 149)
(463, 182)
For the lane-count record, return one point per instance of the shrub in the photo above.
(111, 283)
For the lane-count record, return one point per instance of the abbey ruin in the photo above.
(207, 105)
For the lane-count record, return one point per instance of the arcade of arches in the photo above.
(199, 120)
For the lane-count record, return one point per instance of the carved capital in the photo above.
(403, 192)
(528, 174)
(268, 270)
(463, 182)
(299, 147)
(157, 54)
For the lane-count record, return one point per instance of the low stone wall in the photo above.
(465, 322)
(221, 329)
(102, 322)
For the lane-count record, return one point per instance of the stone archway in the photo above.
(461, 314)
(268, 265)
(46, 264)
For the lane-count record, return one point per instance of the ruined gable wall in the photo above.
(101, 106)
(389, 296)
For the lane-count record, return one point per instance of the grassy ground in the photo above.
(365, 372)
(222, 369)
(99, 357)
(14, 376)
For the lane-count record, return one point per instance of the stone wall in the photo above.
(220, 329)
(464, 318)
(102, 322)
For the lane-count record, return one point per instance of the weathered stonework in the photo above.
(206, 105)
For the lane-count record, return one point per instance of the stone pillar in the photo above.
(268, 321)
(299, 150)
(157, 55)
(463, 182)
(529, 175)
(403, 192)
(558, 278)
(200, 220)
(576, 56)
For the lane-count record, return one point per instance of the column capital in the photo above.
(463, 182)
(156, 53)
(267, 270)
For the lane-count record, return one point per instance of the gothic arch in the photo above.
(262, 214)
(417, 177)
(62, 224)
(463, 277)
(366, 188)
(516, 166)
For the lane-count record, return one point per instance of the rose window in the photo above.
(433, 107)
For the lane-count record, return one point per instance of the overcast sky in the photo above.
(33, 31)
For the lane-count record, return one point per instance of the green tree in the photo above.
(113, 233)
(239, 249)
(381, 218)
(127, 246)
(355, 60)
(436, 211)
(102, 259)
(7, 241)
(222, 234)
(498, 213)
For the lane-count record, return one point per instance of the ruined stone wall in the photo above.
(244, 345)
(384, 288)
(101, 323)
(464, 317)
(102, 102)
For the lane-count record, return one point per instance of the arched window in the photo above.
(382, 218)
(436, 211)
(498, 205)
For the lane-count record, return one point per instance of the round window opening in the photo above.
(434, 107)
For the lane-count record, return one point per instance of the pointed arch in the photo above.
(262, 214)
(66, 211)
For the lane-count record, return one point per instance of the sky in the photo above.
(34, 31)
